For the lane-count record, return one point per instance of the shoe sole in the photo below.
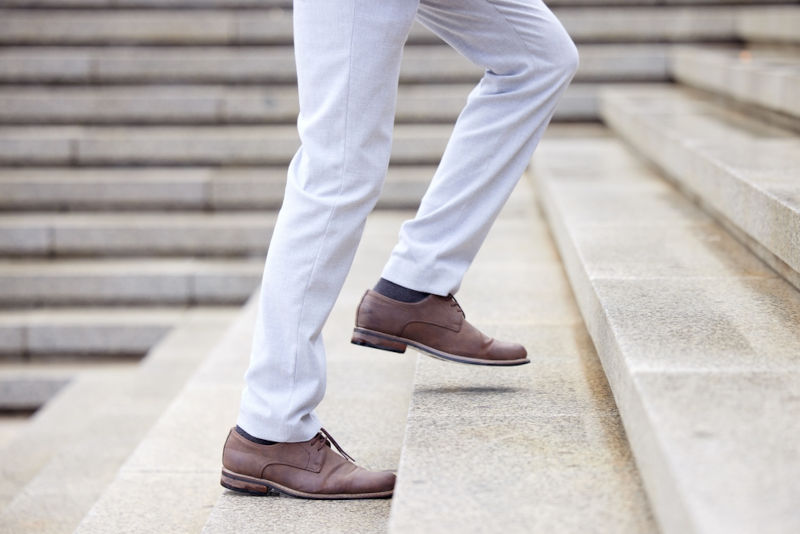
(379, 340)
(263, 488)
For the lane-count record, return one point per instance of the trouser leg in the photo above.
(348, 58)
(529, 61)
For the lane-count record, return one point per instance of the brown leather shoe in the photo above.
(310, 469)
(436, 326)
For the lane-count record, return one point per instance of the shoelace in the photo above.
(324, 438)
(454, 303)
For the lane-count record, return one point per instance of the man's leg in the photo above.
(348, 59)
(529, 61)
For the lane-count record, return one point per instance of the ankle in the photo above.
(248, 437)
(398, 292)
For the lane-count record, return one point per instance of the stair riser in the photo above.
(276, 66)
(287, 4)
(153, 146)
(24, 394)
(202, 27)
(133, 290)
(197, 106)
(16, 240)
(78, 341)
(164, 189)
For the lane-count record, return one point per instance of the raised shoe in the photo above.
(435, 326)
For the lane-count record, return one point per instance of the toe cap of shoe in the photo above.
(504, 350)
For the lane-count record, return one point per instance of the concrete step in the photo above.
(768, 80)
(126, 234)
(181, 453)
(287, 4)
(774, 25)
(27, 394)
(171, 188)
(698, 339)
(538, 448)
(270, 26)
(743, 171)
(83, 332)
(11, 424)
(275, 64)
(27, 386)
(59, 464)
(129, 281)
(218, 104)
(189, 145)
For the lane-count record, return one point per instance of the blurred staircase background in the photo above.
(143, 146)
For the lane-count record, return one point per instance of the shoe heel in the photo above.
(368, 339)
(244, 486)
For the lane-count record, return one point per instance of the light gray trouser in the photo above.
(348, 60)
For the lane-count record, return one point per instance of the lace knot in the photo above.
(324, 438)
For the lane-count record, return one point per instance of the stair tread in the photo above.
(30, 385)
(94, 422)
(196, 423)
(743, 169)
(539, 445)
(699, 339)
(767, 78)
(776, 25)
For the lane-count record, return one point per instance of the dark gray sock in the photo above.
(398, 292)
(248, 437)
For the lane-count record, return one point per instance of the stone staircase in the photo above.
(682, 247)
(143, 147)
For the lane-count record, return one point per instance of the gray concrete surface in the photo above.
(26, 386)
(132, 281)
(286, 4)
(775, 25)
(189, 145)
(537, 448)
(57, 467)
(201, 104)
(152, 189)
(95, 331)
(268, 26)
(745, 171)
(701, 355)
(769, 79)
(113, 234)
(252, 64)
